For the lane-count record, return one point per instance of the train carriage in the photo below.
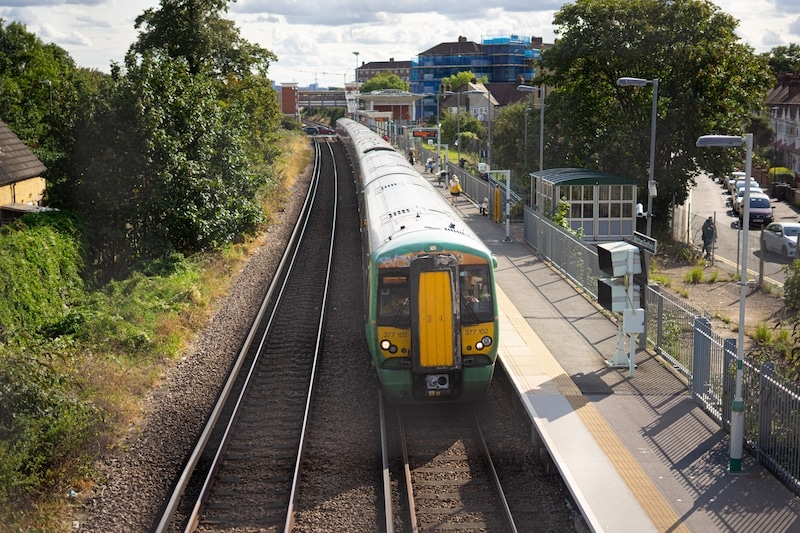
(430, 309)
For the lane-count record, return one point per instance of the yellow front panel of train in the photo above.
(435, 319)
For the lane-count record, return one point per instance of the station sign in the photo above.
(425, 133)
(644, 242)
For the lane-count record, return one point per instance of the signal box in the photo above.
(613, 258)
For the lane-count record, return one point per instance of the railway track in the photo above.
(245, 469)
(448, 477)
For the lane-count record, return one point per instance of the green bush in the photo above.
(43, 418)
(791, 287)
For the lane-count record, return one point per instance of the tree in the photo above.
(384, 80)
(783, 59)
(196, 31)
(455, 81)
(709, 83)
(163, 164)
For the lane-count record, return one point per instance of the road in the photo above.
(709, 198)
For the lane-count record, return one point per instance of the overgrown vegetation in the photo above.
(75, 361)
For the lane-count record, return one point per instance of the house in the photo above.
(783, 101)
(22, 182)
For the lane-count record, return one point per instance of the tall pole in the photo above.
(356, 70)
(541, 127)
(737, 409)
(652, 182)
(439, 128)
(458, 134)
(526, 137)
(489, 133)
(50, 115)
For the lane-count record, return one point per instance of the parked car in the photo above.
(734, 186)
(760, 210)
(736, 201)
(311, 130)
(781, 238)
(324, 130)
(730, 181)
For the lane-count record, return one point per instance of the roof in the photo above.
(17, 162)
(462, 46)
(581, 176)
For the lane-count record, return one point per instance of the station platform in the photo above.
(635, 453)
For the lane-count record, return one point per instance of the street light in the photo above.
(356, 71)
(541, 91)
(439, 130)
(737, 411)
(50, 115)
(525, 144)
(651, 183)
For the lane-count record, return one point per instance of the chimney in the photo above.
(462, 39)
(794, 87)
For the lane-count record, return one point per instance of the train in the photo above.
(430, 310)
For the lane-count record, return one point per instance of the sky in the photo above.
(316, 40)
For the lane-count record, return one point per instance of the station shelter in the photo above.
(602, 204)
(388, 111)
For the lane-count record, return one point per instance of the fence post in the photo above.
(701, 358)
(765, 389)
(728, 381)
(659, 318)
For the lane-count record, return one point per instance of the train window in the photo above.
(393, 303)
(475, 290)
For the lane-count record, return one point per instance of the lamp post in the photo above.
(540, 90)
(737, 410)
(651, 183)
(356, 71)
(490, 110)
(439, 130)
(50, 115)
(525, 144)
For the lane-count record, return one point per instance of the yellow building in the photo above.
(22, 182)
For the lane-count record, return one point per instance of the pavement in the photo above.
(672, 458)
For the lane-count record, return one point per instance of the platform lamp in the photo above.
(541, 91)
(737, 410)
(651, 183)
(439, 96)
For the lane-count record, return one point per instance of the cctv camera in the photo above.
(639, 210)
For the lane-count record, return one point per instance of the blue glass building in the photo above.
(506, 59)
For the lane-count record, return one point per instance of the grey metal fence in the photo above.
(685, 338)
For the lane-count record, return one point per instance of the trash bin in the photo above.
(781, 191)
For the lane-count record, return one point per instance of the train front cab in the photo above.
(436, 329)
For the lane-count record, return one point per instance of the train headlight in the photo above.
(486, 341)
(385, 344)
(479, 345)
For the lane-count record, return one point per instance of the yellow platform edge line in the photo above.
(641, 486)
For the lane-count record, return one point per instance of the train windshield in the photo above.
(393, 304)
(474, 287)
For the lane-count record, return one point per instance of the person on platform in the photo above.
(709, 233)
(455, 190)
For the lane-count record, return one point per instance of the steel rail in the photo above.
(320, 331)
(278, 285)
